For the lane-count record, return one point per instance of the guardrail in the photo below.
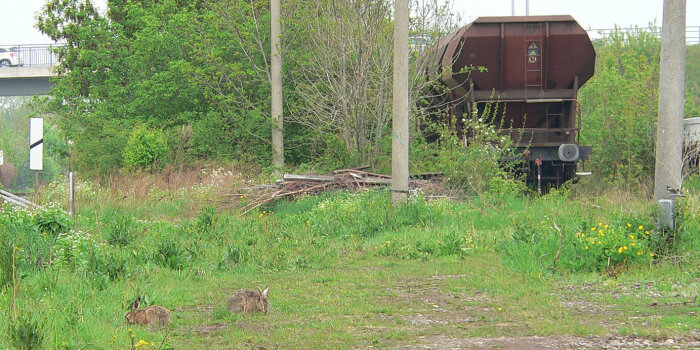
(35, 55)
(16, 200)
(692, 33)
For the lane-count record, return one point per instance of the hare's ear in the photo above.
(135, 304)
(265, 292)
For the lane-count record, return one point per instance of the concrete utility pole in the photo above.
(276, 85)
(527, 7)
(669, 134)
(399, 144)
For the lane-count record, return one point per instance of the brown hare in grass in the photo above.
(246, 300)
(152, 315)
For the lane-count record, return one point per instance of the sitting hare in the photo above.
(246, 300)
(153, 314)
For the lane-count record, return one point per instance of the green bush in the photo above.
(7, 268)
(20, 229)
(587, 245)
(73, 249)
(481, 166)
(427, 244)
(120, 229)
(169, 253)
(146, 148)
(26, 333)
(364, 214)
(52, 220)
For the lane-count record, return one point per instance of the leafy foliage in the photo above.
(52, 220)
(118, 72)
(145, 148)
(26, 332)
(199, 71)
(120, 229)
(620, 106)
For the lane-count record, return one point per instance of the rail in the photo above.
(34, 55)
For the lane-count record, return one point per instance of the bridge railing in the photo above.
(692, 33)
(35, 55)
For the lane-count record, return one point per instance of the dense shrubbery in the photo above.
(620, 106)
(28, 239)
(145, 148)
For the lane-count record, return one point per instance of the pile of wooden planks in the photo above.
(290, 186)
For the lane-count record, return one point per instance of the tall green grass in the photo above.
(69, 282)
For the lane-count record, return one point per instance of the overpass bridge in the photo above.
(30, 73)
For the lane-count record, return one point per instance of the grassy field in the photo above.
(348, 270)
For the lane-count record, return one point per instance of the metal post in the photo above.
(71, 195)
(539, 176)
(669, 135)
(399, 145)
(276, 85)
(512, 7)
(36, 182)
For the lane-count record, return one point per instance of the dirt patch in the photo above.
(644, 303)
(429, 304)
(435, 307)
(206, 328)
(194, 308)
(557, 342)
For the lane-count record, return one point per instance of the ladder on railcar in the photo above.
(532, 39)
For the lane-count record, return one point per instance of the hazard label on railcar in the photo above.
(532, 52)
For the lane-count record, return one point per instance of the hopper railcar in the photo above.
(535, 66)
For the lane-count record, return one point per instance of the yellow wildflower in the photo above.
(586, 247)
(600, 224)
(599, 242)
(619, 250)
(583, 235)
(625, 247)
(646, 232)
(641, 227)
(632, 237)
(629, 225)
(651, 254)
(592, 228)
(632, 244)
(606, 226)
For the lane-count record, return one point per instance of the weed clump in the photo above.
(26, 332)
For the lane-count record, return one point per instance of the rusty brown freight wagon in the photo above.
(535, 67)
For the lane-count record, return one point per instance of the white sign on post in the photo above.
(1, 157)
(36, 143)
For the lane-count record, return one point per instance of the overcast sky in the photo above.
(17, 20)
